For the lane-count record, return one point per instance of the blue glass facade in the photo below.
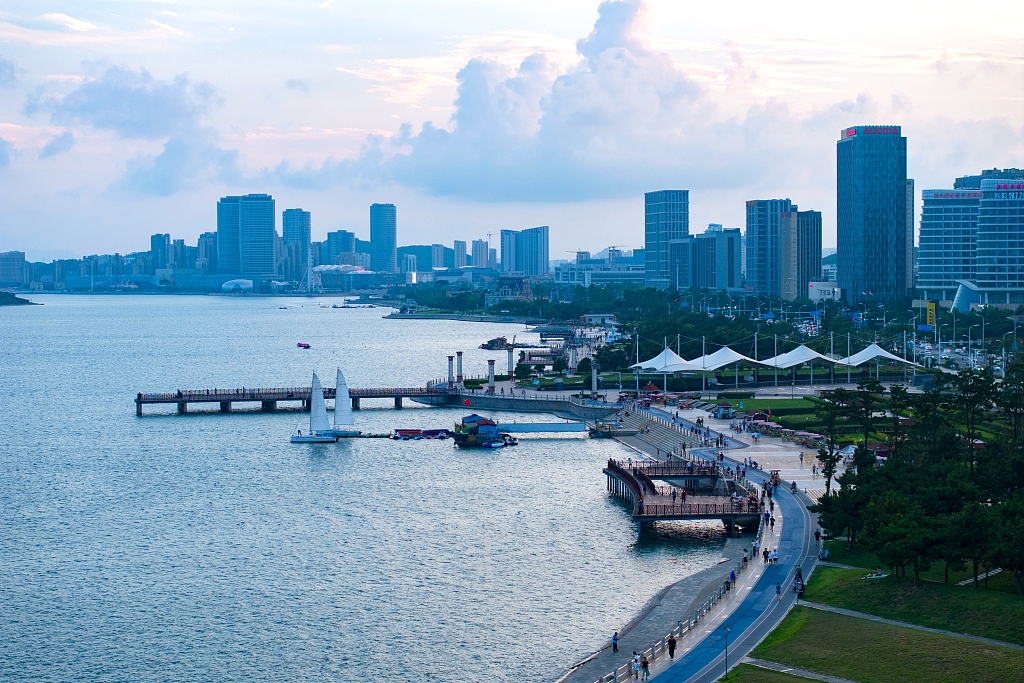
(384, 238)
(1001, 241)
(247, 235)
(764, 258)
(666, 218)
(947, 246)
(872, 213)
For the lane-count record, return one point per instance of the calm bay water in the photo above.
(209, 548)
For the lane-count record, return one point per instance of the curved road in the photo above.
(760, 611)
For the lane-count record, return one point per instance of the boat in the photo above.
(344, 425)
(304, 345)
(498, 343)
(319, 426)
(418, 434)
(476, 431)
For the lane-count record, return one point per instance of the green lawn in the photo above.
(869, 652)
(745, 673)
(992, 614)
(750, 404)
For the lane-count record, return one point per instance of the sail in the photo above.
(318, 421)
(342, 403)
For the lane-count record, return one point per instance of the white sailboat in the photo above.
(344, 425)
(319, 425)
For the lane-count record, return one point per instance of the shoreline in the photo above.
(468, 317)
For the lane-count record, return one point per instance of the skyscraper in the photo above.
(247, 235)
(948, 243)
(480, 253)
(532, 251)
(460, 254)
(340, 242)
(871, 226)
(437, 256)
(509, 250)
(296, 228)
(206, 260)
(711, 260)
(764, 224)
(799, 252)
(178, 258)
(666, 218)
(910, 235)
(160, 249)
(383, 238)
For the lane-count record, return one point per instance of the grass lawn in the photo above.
(750, 404)
(991, 614)
(839, 553)
(868, 652)
(745, 673)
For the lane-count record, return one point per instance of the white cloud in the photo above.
(79, 25)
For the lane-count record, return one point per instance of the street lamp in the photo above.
(1003, 343)
(727, 632)
(969, 338)
(940, 333)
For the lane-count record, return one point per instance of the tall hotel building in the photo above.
(247, 235)
(525, 251)
(666, 218)
(383, 238)
(872, 214)
(764, 233)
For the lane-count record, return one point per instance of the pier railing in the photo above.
(738, 507)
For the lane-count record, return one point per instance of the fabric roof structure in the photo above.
(720, 358)
(666, 357)
(870, 353)
(798, 356)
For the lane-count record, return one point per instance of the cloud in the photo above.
(58, 145)
(8, 72)
(5, 153)
(134, 104)
(299, 84)
(70, 23)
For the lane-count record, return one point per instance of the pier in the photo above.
(270, 398)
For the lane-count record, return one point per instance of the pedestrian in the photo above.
(645, 670)
(615, 642)
(671, 647)
(817, 536)
(771, 523)
(764, 554)
(636, 666)
(778, 591)
(732, 575)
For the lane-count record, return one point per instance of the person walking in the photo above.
(771, 523)
(615, 642)
(636, 666)
(764, 554)
(645, 670)
(671, 647)
(778, 591)
(817, 536)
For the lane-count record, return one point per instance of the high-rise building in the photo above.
(711, 260)
(532, 252)
(247, 235)
(460, 254)
(910, 235)
(409, 263)
(383, 238)
(340, 242)
(492, 259)
(871, 225)
(764, 223)
(509, 250)
(666, 218)
(480, 253)
(296, 228)
(12, 268)
(160, 248)
(437, 256)
(206, 259)
(799, 252)
(947, 251)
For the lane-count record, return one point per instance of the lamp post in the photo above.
(914, 328)
(727, 632)
(1003, 342)
(939, 336)
(969, 338)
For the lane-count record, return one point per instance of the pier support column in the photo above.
(730, 528)
(458, 375)
(451, 371)
(398, 402)
(225, 406)
(355, 404)
(138, 408)
(306, 405)
(182, 408)
(511, 363)
(269, 406)
(490, 376)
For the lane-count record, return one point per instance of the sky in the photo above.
(122, 119)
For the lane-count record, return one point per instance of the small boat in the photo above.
(418, 434)
(319, 426)
(498, 343)
(479, 432)
(344, 424)
(304, 345)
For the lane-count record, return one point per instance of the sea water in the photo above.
(206, 547)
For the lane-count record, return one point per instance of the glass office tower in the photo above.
(764, 256)
(947, 246)
(246, 235)
(383, 238)
(666, 218)
(871, 225)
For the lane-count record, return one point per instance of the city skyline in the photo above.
(749, 110)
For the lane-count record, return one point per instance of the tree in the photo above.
(864, 412)
(899, 402)
(559, 365)
(971, 530)
(975, 392)
(1010, 399)
(1010, 546)
(522, 371)
(830, 410)
(583, 367)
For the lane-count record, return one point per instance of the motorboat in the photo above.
(304, 345)
(319, 426)
(477, 431)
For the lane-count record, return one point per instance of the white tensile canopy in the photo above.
(798, 356)
(659, 362)
(720, 358)
(870, 353)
